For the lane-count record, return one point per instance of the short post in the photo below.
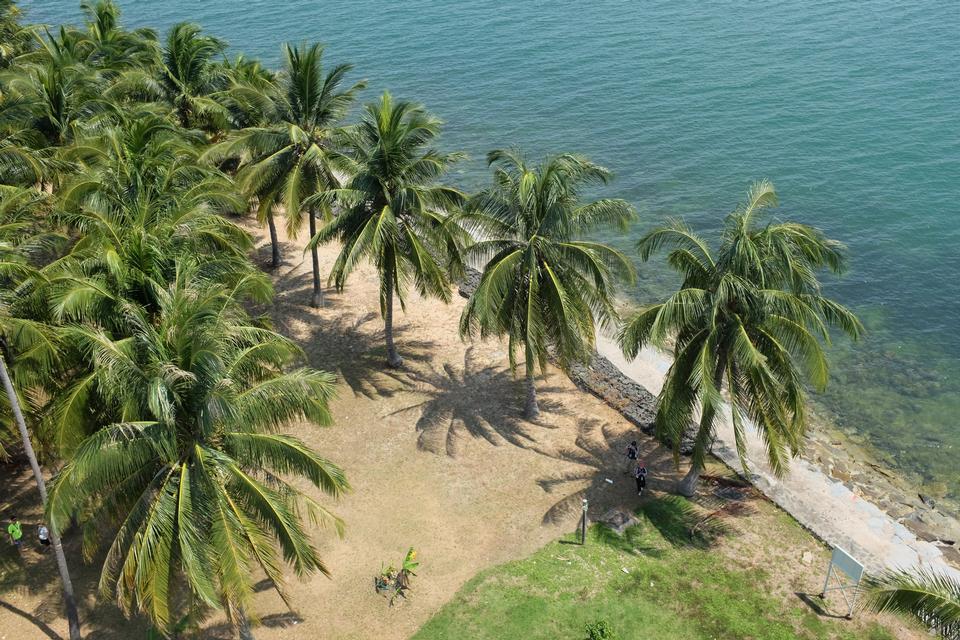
(583, 523)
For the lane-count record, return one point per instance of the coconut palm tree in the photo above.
(61, 95)
(141, 202)
(193, 473)
(543, 287)
(184, 76)
(932, 598)
(252, 92)
(27, 240)
(296, 156)
(69, 599)
(21, 240)
(113, 47)
(22, 161)
(138, 206)
(750, 317)
(15, 39)
(396, 213)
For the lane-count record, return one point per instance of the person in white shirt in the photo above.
(44, 534)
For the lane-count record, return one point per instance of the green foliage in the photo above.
(601, 630)
(932, 598)
(122, 291)
(751, 317)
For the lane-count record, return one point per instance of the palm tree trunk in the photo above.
(532, 409)
(69, 600)
(393, 358)
(243, 628)
(274, 241)
(317, 299)
(688, 486)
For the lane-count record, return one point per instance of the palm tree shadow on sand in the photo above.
(598, 450)
(476, 401)
(352, 347)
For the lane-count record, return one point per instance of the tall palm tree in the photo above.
(139, 205)
(27, 240)
(750, 317)
(932, 598)
(62, 95)
(21, 240)
(193, 473)
(296, 156)
(543, 286)
(397, 214)
(69, 599)
(22, 160)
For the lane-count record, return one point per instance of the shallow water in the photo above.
(850, 108)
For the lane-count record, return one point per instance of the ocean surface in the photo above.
(851, 108)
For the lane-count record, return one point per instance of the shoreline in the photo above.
(841, 513)
(845, 500)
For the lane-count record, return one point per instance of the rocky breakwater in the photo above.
(921, 510)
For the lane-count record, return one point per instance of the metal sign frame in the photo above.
(842, 565)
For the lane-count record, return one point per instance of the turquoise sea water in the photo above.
(852, 109)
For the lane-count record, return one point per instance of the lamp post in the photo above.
(583, 523)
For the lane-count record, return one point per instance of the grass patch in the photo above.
(678, 586)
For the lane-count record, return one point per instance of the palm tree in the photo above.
(139, 205)
(141, 202)
(932, 598)
(751, 317)
(21, 160)
(193, 472)
(27, 239)
(113, 47)
(69, 600)
(296, 156)
(15, 39)
(21, 239)
(61, 93)
(542, 286)
(396, 215)
(184, 77)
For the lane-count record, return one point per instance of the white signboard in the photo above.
(844, 562)
(843, 565)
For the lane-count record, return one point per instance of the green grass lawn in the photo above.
(677, 588)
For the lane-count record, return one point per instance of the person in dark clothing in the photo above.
(640, 474)
(633, 452)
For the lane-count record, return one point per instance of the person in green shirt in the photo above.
(15, 531)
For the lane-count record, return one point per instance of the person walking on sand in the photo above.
(640, 474)
(15, 531)
(44, 534)
(633, 452)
